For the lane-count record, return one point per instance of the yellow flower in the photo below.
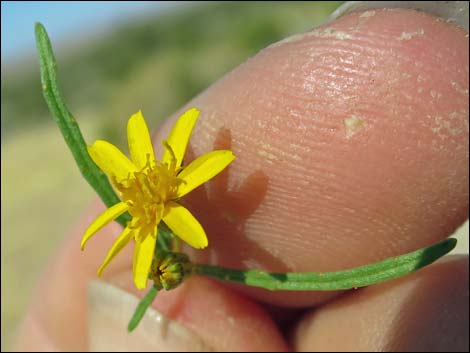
(149, 189)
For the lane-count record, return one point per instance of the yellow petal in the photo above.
(184, 225)
(143, 256)
(179, 137)
(111, 160)
(202, 169)
(138, 138)
(107, 216)
(118, 245)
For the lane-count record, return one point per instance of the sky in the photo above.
(62, 19)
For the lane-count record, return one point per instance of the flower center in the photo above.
(147, 191)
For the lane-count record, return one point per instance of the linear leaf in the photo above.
(352, 278)
(68, 125)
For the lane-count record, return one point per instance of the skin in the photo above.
(352, 146)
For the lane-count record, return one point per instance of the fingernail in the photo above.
(451, 11)
(109, 312)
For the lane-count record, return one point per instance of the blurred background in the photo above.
(114, 58)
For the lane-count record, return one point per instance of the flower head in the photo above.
(150, 189)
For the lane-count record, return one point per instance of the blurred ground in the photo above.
(156, 65)
(42, 196)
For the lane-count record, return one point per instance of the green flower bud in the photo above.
(169, 269)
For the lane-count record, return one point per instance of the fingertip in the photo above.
(359, 128)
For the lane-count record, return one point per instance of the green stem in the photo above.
(68, 125)
(353, 278)
(141, 308)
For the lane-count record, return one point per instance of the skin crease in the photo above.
(353, 134)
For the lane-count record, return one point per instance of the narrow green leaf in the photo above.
(353, 278)
(68, 125)
(141, 308)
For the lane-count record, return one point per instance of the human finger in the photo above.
(424, 312)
